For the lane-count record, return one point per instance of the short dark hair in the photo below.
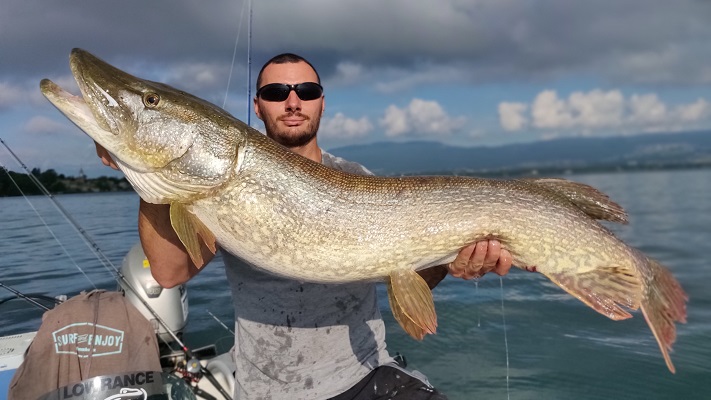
(285, 58)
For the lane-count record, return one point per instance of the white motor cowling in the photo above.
(170, 304)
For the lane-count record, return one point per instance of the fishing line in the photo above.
(67, 216)
(86, 238)
(506, 339)
(46, 225)
(93, 246)
(476, 294)
(234, 55)
(220, 322)
(249, 65)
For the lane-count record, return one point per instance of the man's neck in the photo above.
(309, 150)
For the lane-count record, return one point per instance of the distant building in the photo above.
(82, 176)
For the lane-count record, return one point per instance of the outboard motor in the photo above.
(170, 304)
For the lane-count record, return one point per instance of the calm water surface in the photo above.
(538, 343)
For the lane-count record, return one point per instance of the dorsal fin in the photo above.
(593, 202)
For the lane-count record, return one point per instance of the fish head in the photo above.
(170, 145)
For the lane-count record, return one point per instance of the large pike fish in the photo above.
(227, 184)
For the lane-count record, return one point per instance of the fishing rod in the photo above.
(25, 297)
(192, 361)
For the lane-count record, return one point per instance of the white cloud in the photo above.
(11, 95)
(587, 112)
(342, 127)
(347, 73)
(395, 121)
(420, 118)
(647, 109)
(548, 111)
(511, 116)
(695, 111)
(597, 108)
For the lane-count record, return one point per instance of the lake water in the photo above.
(519, 337)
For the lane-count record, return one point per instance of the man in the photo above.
(296, 340)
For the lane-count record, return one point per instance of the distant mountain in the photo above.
(561, 155)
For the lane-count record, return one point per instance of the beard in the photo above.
(294, 138)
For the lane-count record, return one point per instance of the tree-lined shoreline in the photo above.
(18, 184)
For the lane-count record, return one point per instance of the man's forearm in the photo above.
(170, 263)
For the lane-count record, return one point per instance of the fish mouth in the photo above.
(76, 109)
(84, 117)
(88, 117)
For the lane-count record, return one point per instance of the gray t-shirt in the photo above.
(297, 340)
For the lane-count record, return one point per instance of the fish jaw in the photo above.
(103, 130)
(171, 146)
(73, 107)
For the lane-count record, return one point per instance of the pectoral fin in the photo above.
(411, 303)
(605, 289)
(191, 230)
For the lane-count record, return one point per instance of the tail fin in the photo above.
(663, 304)
(609, 290)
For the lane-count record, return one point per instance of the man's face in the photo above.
(292, 122)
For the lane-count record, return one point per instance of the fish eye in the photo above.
(151, 100)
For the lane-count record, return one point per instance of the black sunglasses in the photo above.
(280, 91)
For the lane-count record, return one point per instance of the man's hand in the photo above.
(479, 258)
(473, 261)
(105, 157)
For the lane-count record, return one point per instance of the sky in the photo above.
(460, 72)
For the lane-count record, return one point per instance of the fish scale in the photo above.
(231, 186)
